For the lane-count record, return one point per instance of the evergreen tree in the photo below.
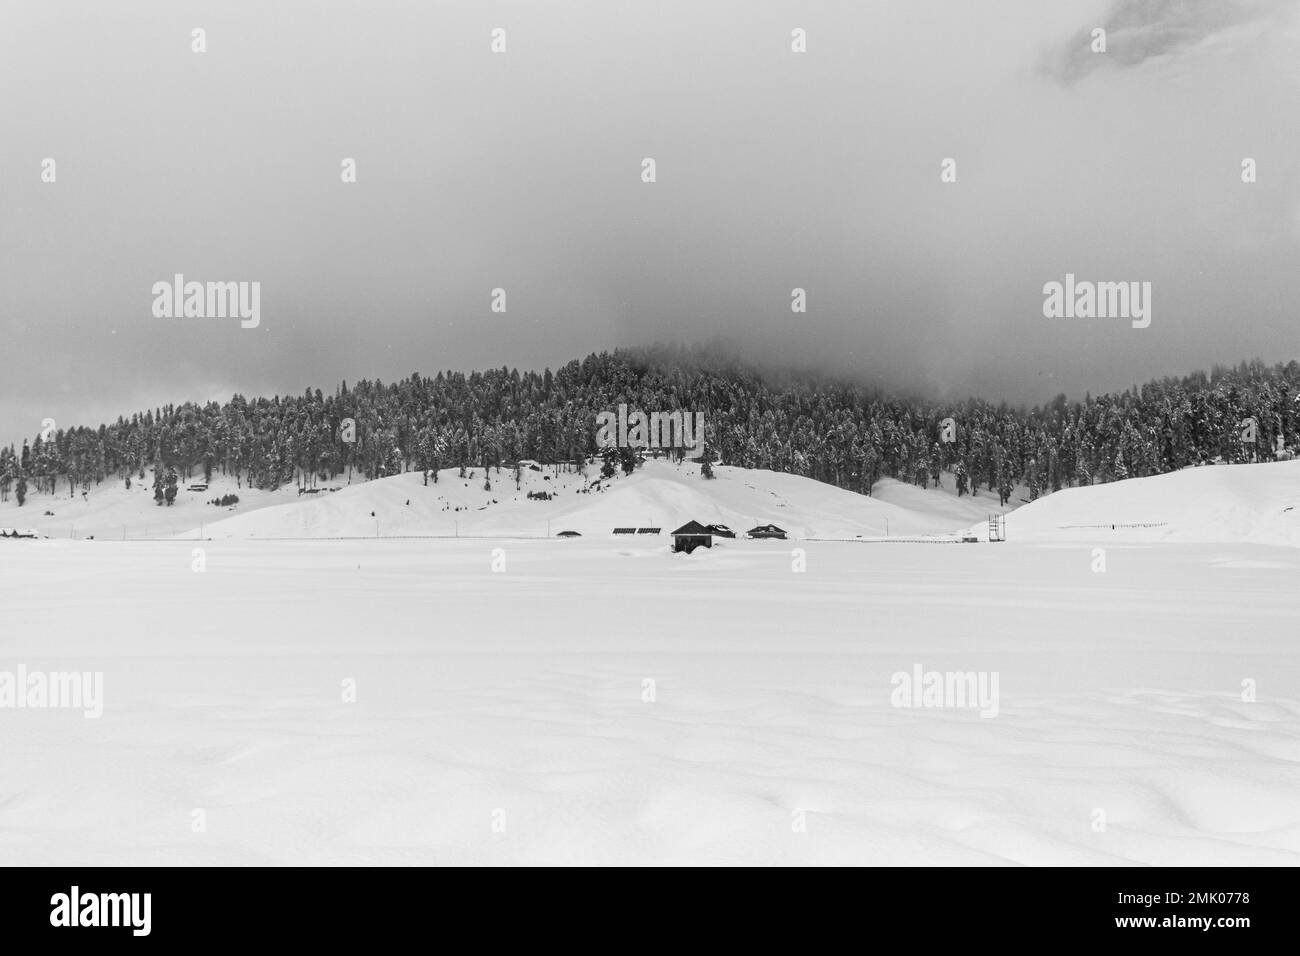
(1005, 487)
(848, 436)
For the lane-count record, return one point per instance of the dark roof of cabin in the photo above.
(767, 527)
(692, 528)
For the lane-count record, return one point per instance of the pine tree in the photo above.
(1005, 487)
(848, 436)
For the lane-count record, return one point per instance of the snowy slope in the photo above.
(1226, 503)
(660, 494)
(110, 512)
(1223, 503)
(943, 504)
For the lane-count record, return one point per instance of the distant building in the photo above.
(690, 536)
(721, 531)
(569, 534)
(767, 531)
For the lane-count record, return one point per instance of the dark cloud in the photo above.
(1139, 30)
(775, 170)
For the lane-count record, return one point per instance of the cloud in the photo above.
(1140, 30)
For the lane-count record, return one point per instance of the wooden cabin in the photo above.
(692, 535)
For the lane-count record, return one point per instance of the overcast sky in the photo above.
(522, 171)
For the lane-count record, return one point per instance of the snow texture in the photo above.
(602, 700)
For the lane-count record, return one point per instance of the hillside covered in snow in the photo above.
(838, 433)
(659, 494)
(1258, 504)
(1222, 503)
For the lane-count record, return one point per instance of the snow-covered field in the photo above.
(659, 494)
(600, 700)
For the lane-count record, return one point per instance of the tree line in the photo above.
(838, 432)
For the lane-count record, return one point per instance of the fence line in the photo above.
(186, 536)
(1115, 524)
(900, 539)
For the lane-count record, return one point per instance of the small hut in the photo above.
(767, 531)
(690, 536)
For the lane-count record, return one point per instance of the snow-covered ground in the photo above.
(599, 699)
(112, 511)
(659, 494)
(1239, 503)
